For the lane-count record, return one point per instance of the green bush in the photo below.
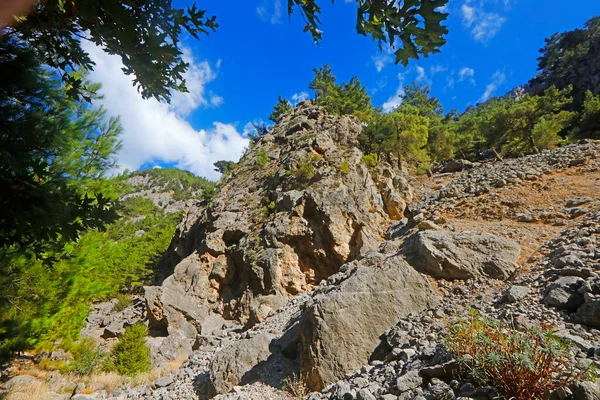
(131, 356)
(87, 358)
(123, 301)
(523, 365)
(370, 160)
(262, 158)
(344, 169)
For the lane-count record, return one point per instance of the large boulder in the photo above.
(590, 311)
(465, 255)
(342, 324)
(564, 294)
(238, 363)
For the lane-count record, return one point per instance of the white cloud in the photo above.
(396, 100)
(299, 97)
(498, 79)
(467, 74)
(155, 132)
(270, 11)
(436, 69)
(383, 58)
(421, 74)
(483, 25)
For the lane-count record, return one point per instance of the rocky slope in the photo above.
(300, 205)
(310, 264)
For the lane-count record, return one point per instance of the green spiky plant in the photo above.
(523, 365)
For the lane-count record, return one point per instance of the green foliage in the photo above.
(283, 106)
(262, 158)
(512, 126)
(523, 365)
(256, 131)
(439, 139)
(570, 59)
(149, 47)
(412, 27)
(348, 99)
(131, 355)
(344, 169)
(370, 160)
(225, 167)
(402, 132)
(304, 172)
(589, 120)
(533, 122)
(46, 180)
(87, 358)
(123, 301)
(40, 305)
(269, 208)
(182, 183)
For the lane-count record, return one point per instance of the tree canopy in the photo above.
(147, 34)
(51, 148)
(571, 59)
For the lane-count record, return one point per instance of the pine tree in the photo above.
(283, 106)
(131, 355)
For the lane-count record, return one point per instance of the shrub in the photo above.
(208, 193)
(305, 171)
(269, 209)
(296, 386)
(131, 356)
(524, 365)
(262, 158)
(123, 301)
(344, 169)
(87, 358)
(370, 160)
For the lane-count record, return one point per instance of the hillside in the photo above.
(49, 305)
(315, 269)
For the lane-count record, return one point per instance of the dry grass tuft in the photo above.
(36, 390)
(110, 380)
(296, 386)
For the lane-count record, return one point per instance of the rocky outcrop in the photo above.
(465, 255)
(238, 363)
(300, 205)
(343, 321)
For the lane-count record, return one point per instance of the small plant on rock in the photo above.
(523, 365)
(305, 171)
(262, 158)
(87, 358)
(296, 386)
(123, 301)
(131, 356)
(370, 160)
(344, 169)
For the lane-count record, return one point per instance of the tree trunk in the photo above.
(532, 144)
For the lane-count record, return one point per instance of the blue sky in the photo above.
(257, 54)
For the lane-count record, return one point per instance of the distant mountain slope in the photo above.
(51, 303)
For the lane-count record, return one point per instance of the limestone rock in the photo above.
(514, 294)
(465, 255)
(590, 311)
(341, 326)
(585, 391)
(21, 380)
(278, 229)
(238, 363)
(563, 293)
